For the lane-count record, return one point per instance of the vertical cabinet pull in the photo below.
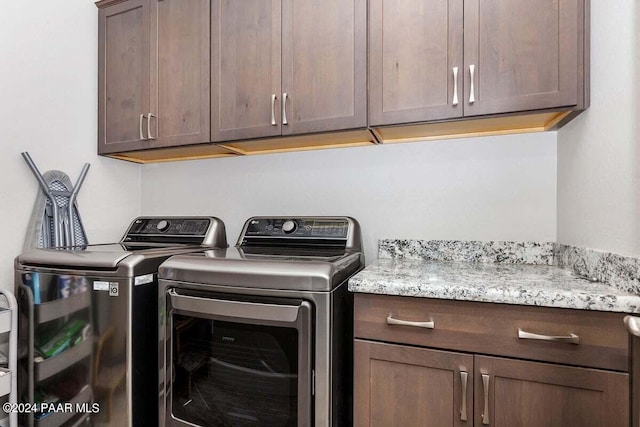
(141, 133)
(472, 92)
(485, 387)
(149, 136)
(273, 109)
(455, 85)
(463, 405)
(284, 108)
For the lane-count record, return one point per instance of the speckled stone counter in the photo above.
(523, 284)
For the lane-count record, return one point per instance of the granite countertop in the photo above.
(522, 284)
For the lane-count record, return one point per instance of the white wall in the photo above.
(598, 154)
(501, 188)
(48, 107)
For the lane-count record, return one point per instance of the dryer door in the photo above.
(239, 361)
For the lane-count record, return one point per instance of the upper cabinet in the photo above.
(180, 58)
(415, 60)
(153, 74)
(445, 59)
(210, 78)
(324, 65)
(124, 75)
(521, 55)
(245, 73)
(287, 67)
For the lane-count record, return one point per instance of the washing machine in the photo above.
(88, 323)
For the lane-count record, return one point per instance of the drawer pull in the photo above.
(633, 325)
(568, 339)
(427, 325)
(485, 387)
(463, 409)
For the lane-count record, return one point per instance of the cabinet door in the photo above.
(180, 58)
(401, 386)
(414, 48)
(518, 393)
(634, 366)
(524, 55)
(245, 69)
(124, 73)
(324, 65)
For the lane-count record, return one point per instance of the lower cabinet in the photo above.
(407, 375)
(398, 385)
(512, 393)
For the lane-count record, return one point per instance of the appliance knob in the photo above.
(289, 227)
(162, 225)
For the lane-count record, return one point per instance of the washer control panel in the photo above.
(327, 228)
(168, 226)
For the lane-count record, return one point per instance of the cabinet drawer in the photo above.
(493, 329)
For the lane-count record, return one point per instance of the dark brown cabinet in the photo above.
(324, 71)
(401, 386)
(124, 74)
(153, 74)
(445, 59)
(520, 393)
(284, 67)
(406, 372)
(180, 58)
(415, 60)
(260, 76)
(522, 55)
(245, 72)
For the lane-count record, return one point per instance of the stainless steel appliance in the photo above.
(88, 323)
(261, 334)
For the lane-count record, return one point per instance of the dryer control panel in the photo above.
(301, 231)
(308, 228)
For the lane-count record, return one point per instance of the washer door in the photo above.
(238, 362)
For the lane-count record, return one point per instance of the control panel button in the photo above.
(289, 227)
(162, 225)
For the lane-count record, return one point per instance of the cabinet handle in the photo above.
(149, 126)
(568, 339)
(455, 85)
(284, 109)
(427, 325)
(273, 110)
(633, 325)
(472, 91)
(141, 133)
(485, 387)
(463, 406)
